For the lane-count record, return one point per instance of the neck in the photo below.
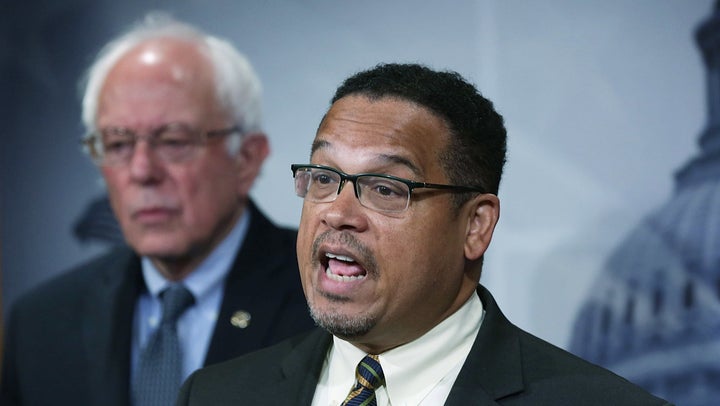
(176, 269)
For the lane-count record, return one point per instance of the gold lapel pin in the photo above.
(240, 319)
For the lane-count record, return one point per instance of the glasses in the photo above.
(175, 142)
(383, 193)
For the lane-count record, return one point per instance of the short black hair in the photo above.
(476, 152)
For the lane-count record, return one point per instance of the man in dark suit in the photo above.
(400, 204)
(173, 119)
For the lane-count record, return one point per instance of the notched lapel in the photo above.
(107, 328)
(305, 360)
(493, 369)
(250, 287)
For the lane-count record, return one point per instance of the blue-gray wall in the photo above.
(603, 101)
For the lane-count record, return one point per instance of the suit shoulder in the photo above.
(555, 373)
(251, 364)
(269, 249)
(283, 236)
(69, 285)
(255, 376)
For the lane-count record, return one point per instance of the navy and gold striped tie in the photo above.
(370, 376)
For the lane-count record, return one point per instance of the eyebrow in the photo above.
(318, 144)
(395, 159)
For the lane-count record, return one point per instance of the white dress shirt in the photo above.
(421, 372)
(196, 325)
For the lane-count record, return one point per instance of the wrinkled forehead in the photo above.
(380, 132)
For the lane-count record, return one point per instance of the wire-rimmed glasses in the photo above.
(174, 142)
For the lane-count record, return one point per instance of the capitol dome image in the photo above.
(654, 313)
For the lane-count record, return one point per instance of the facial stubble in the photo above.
(331, 316)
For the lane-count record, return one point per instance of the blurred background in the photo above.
(605, 102)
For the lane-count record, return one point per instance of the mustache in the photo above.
(362, 253)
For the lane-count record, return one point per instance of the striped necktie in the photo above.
(369, 376)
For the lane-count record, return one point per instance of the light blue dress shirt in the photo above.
(197, 323)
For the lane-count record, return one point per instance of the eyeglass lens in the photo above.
(374, 192)
(172, 143)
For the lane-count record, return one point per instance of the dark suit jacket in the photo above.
(68, 342)
(506, 366)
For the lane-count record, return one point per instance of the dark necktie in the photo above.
(159, 372)
(369, 377)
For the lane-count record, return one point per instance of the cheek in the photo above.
(303, 247)
(206, 195)
(118, 192)
(112, 178)
(305, 238)
(420, 266)
(420, 248)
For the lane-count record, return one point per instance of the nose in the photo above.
(144, 165)
(345, 212)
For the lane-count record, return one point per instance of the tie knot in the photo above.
(175, 299)
(370, 373)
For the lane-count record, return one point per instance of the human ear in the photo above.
(482, 216)
(253, 151)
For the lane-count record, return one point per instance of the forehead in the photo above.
(159, 77)
(375, 133)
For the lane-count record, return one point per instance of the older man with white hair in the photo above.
(173, 123)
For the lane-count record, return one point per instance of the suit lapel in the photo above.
(107, 328)
(249, 287)
(493, 369)
(305, 361)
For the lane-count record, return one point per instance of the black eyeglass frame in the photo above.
(344, 177)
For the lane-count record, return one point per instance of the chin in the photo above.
(342, 325)
(163, 249)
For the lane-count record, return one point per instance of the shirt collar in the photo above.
(414, 369)
(210, 272)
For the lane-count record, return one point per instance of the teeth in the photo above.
(340, 278)
(339, 257)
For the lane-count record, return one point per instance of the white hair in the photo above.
(237, 87)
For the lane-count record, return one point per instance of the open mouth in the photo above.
(342, 268)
